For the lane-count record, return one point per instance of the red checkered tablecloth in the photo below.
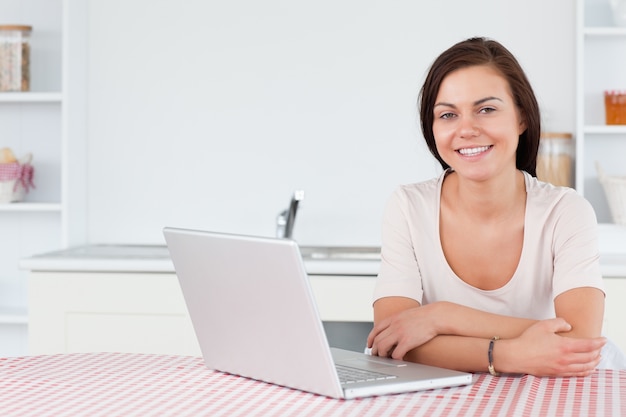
(122, 384)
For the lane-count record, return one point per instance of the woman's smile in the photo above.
(474, 151)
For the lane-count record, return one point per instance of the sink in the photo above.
(340, 253)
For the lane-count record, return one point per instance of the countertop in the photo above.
(156, 259)
(612, 245)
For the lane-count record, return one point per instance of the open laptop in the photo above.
(254, 315)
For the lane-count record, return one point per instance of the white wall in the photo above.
(208, 114)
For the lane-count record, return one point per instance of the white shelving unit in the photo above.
(52, 215)
(31, 97)
(601, 65)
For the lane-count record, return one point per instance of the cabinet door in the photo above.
(344, 297)
(114, 312)
(615, 311)
(146, 313)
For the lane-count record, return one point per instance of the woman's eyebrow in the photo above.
(482, 100)
(476, 103)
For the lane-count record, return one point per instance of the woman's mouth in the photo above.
(474, 151)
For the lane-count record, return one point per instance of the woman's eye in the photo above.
(487, 110)
(447, 116)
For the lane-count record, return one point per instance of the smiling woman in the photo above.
(485, 268)
(473, 130)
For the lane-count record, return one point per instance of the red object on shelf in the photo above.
(615, 107)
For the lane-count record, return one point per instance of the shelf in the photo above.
(605, 31)
(605, 129)
(30, 97)
(30, 207)
(13, 315)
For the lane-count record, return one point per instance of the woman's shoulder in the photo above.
(548, 191)
(548, 197)
(415, 199)
(427, 188)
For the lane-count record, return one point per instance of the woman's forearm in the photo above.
(458, 320)
(453, 336)
(468, 354)
(401, 324)
(539, 350)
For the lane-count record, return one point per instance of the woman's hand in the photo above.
(545, 350)
(394, 336)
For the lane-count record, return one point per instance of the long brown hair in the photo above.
(483, 51)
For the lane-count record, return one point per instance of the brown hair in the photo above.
(482, 51)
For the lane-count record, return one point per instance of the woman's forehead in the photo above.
(473, 83)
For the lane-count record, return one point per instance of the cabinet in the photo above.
(146, 312)
(601, 65)
(51, 215)
(615, 311)
(108, 311)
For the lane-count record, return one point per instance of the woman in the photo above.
(485, 268)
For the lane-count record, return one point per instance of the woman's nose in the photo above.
(468, 128)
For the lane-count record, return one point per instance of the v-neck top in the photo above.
(560, 252)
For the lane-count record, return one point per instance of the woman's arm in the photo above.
(403, 329)
(402, 324)
(538, 351)
(583, 308)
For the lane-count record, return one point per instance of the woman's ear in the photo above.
(522, 124)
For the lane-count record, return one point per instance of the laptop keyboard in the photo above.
(348, 375)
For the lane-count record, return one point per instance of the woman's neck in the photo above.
(493, 200)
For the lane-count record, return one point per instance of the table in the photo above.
(125, 384)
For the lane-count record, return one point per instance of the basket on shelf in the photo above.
(16, 179)
(615, 191)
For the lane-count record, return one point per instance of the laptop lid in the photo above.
(254, 315)
(251, 308)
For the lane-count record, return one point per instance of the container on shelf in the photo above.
(555, 161)
(618, 10)
(615, 191)
(15, 57)
(16, 176)
(615, 107)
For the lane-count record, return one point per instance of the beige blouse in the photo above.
(560, 252)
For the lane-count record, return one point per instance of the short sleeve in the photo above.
(575, 246)
(399, 273)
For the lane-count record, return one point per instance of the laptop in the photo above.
(254, 315)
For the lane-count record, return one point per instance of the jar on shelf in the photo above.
(615, 107)
(555, 161)
(15, 57)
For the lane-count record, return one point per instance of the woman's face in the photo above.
(476, 123)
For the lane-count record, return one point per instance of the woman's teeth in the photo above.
(473, 151)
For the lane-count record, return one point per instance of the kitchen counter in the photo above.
(126, 298)
(104, 258)
(155, 258)
(612, 244)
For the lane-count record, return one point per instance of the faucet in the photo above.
(286, 218)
